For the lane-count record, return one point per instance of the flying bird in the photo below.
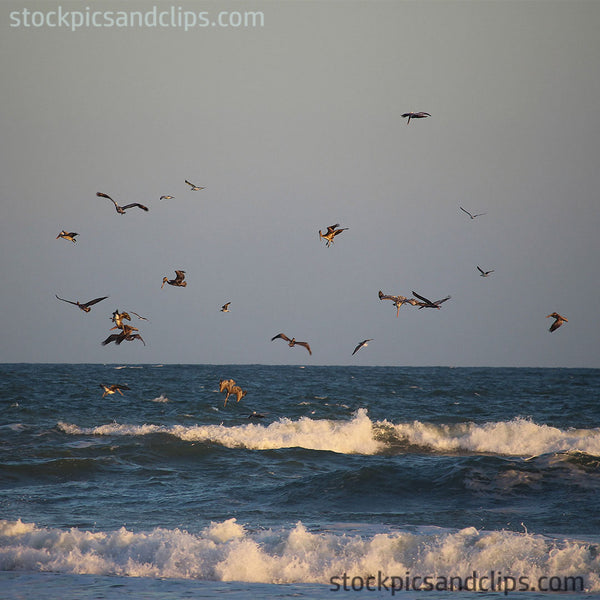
(331, 233)
(177, 282)
(292, 342)
(194, 188)
(111, 389)
(361, 345)
(397, 300)
(117, 318)
(426, 303)
(558, 321)
(484, 273)
(125, 335)
(67, 235)
(470, 215)
(167, 197)
(121, 209)
(415, 115)
(84, 306)
(225, 307)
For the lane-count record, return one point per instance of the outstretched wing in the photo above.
(282, 336)
(139, 316)
(480, 270)
(113, 337)
(69, 301)
(466, 211)
(305, 344)
(94, 301)
(180, 275)
(103, 195)
(438, 302)
(429, 302)
(135, 204)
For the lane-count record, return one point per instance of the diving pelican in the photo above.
(84, 306)
(237, 391)
(178, 281)
(415, 115)
(67, 235)
(111, 389)
(558, 321)
(121, 209)
(292, 342)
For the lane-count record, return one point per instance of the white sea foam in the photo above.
(160, 398)
(227, 551)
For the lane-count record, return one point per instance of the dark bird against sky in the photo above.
(84, 306)
(177, 282)
(426, 303)
(415, 115)
(121, 209)
(194, 187)
(292, 342)
(484, 273)
(471, 215)
(361, 345)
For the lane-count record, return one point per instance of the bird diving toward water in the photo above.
(292, 342)
(225, 307)
(397, 300)
(471, 215)
(111, 389)
(237, 391)
(484, 273)
(331, 233)
(67, 235)
(415, 115)
(361, 345)
(194, 187)
(121, 209)
(225, 385)
(84, 306)
(125, 335)
(177, 282)
(426, 303)
(558, 321)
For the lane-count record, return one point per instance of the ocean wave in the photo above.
(227, 551)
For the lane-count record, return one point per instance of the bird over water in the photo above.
(292, 342)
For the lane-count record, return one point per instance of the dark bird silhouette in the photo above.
(255, 415)
(331, 233)
(361, 345)
(415, 115)
(121, 209)
(558, 321)
(177, 282)
(84, 306)
(292, 342)
(111, 389)
(67, 235)
(125, 335)
(426, 303)
(225, 307)
(471, 215)
(397, 300)
(484, 273)
(194, 188)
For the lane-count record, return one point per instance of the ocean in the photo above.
(321, 482)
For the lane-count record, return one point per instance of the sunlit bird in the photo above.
(84, 306)
(415, 115)
(67, 235)
(167, 197)
(225, 385)
(194, 187)
(237, 391)
(397, 300)
(484, 273)
(177, 282)
(111, 389)
(121, 209)
(225, 307)
(126, 335)
(361, 345)
(558, 321)
(331, 233)
(292, 342)
(426, 303)
(471, 215)
(118, 317)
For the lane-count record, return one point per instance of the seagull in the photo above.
(67, 235)
(111, 389)
(167, 197)
(237, 391)
(484, 273)
(415, 115)
(361, 345)
(397, 300)
(178, 281)
(470, 215)
(121, 209)
(428, 303)
(292, 342)
(331, 233)
(125, 335)
(194, 188)
(558, 321)
(225, 307)
(84, 306)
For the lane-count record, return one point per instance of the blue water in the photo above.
(419, 473)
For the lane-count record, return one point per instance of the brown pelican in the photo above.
(470, 215)
(121, 209)
(226, 385)
(361, 345)
(558, 321)
(415, 115)
(178, 281)
(111, 389)
(225, 307)
(484, 273)
(84, 306)
(67, 235)
(117, 318)
(237, 391)
(292, 342)
(426, 303)
(125, 335)
(331, 233)
(397, 300)
(194, 188)
(167, 197)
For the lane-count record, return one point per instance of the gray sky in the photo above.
(292, 126)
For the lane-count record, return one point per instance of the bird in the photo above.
(121, 209)
(226, 385)
(471, 215)
(125, 335)
(194, 188)
(484, 273)
(67, 235)
(397, 300)
(255, 415)
(415, 115)
(178, 281)
(292, 342)
(117, 318)
(225, 307)
(331, 233)
(167, 197)
(111, 389)
(84, 306)
(237, 391)
(558, 321)
(361, 345)
(426, 303)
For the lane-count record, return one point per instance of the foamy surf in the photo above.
(228, 551)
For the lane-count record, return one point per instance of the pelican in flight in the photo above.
(484, 273)
(361, 345)
(84, 306)
(125, 335)
(67, 235)
(292, 342)
(117, 318)
(111, 389)
(397, 300)
(167, 197)
(193, 187)
(471, 215)
(331, 233)
(558, 321)
(225, 307)
(415, 115)
(177, 282)
(121, 209)
(426, 303)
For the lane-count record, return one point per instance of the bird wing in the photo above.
(69, 301)
(94, 301)
(135, 204)
(479, 215)
(480, 270)
(111, 338)
(466, 211)
(555, 325)
(138, 316)
(180, 275)
(359, 346)
(305, 344)
(429, 302)
(282, 336)
(438, 302)
(103, 195)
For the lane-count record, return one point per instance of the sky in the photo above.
(293, 123)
